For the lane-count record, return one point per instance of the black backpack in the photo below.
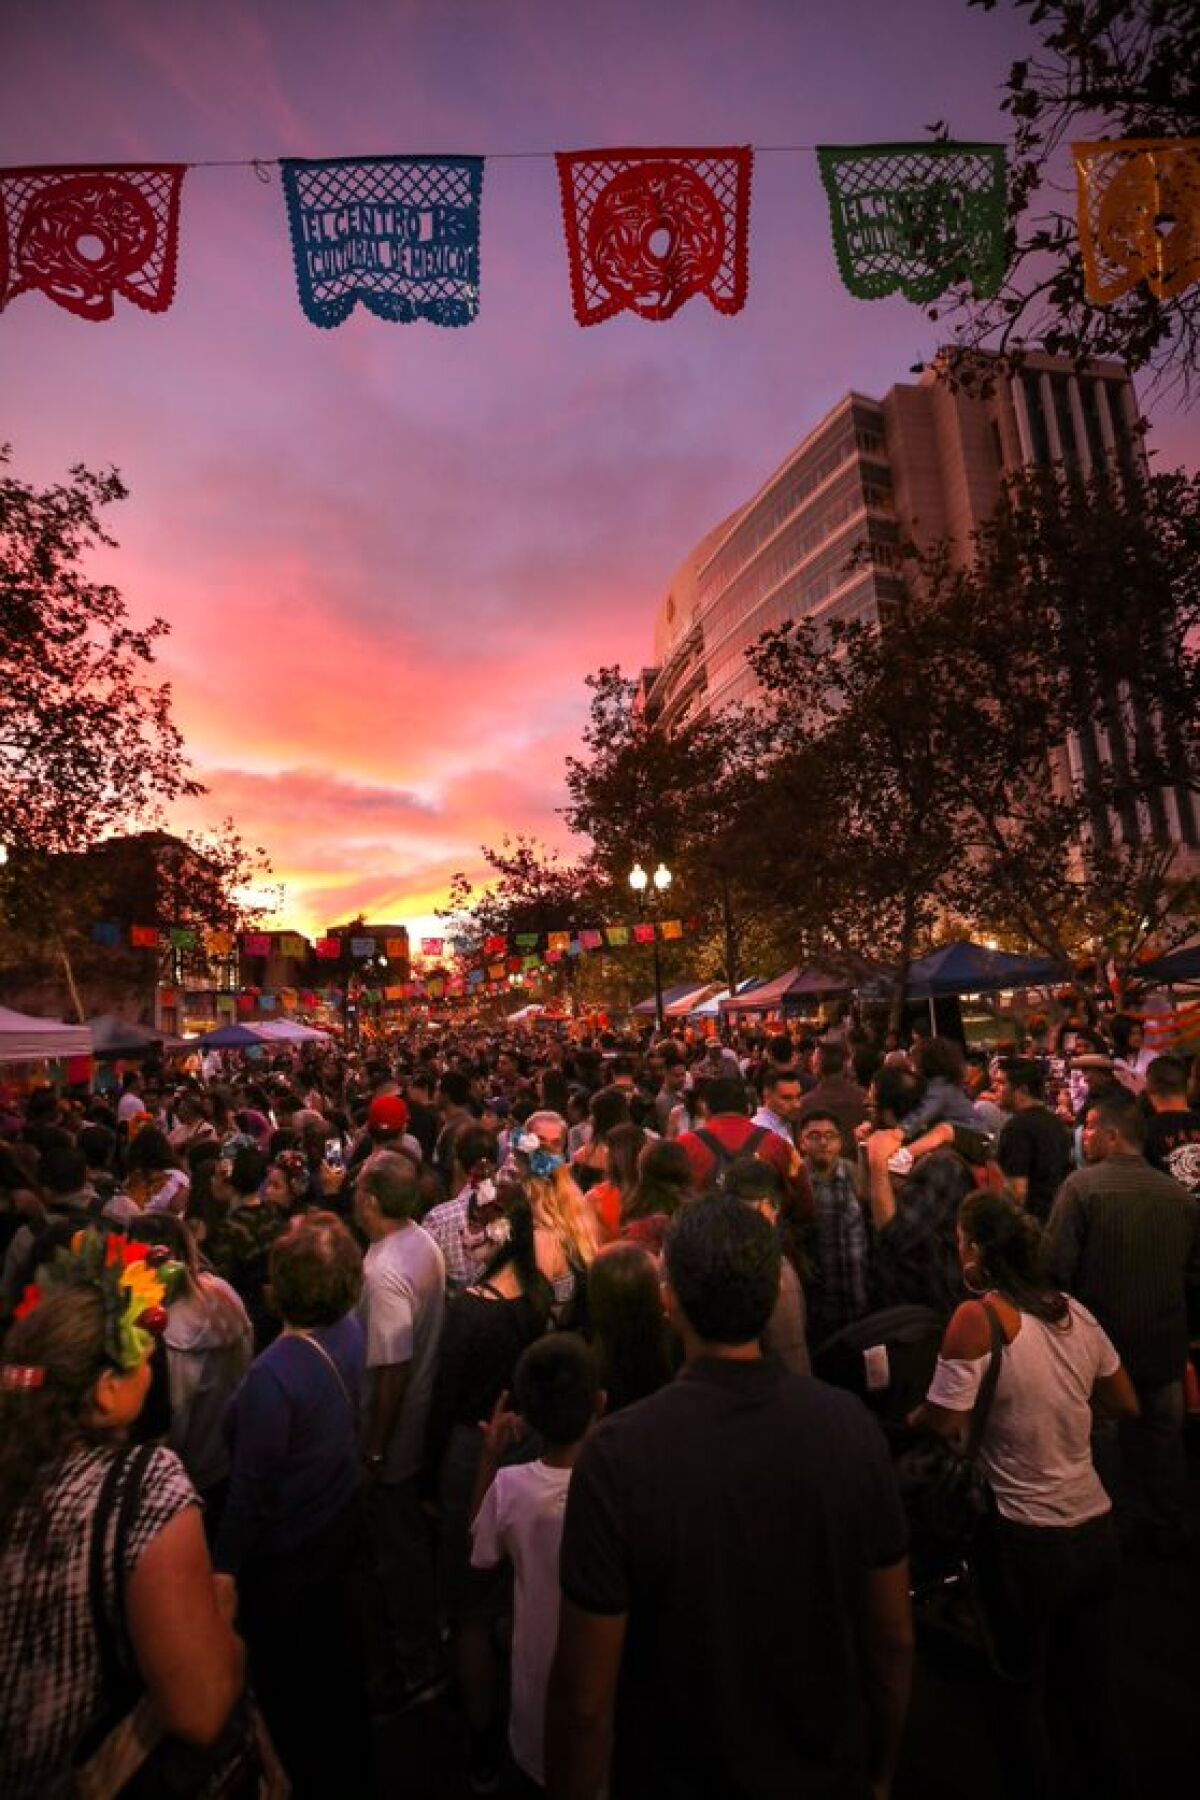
(722, 1155)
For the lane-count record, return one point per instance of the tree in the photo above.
(89, 751)
(1009, 745)
(87, 743)
(860, 838)
(682, 797)
(1079, 672)
(1106, 69)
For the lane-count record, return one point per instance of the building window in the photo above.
(1066, 422)
(1040, 437)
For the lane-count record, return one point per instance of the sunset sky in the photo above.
(389, 554)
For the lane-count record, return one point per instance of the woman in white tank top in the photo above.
(1049, 1557)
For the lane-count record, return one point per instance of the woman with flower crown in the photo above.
(113, 1628)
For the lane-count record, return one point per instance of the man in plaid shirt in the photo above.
(837, 1293)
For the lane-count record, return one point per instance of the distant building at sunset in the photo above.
(819, 539)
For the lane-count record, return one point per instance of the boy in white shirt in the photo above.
(519, 1516)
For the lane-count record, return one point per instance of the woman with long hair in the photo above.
(107, 1595)
(565, 1235)
(609, 1198)
(664, 1184)
(606, 1110)
(627, 1324)
(1050, 1558)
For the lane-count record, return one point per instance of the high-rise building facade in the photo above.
(820, 538)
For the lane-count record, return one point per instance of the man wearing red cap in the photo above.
(387, 1129)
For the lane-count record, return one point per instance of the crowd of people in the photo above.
(544, 1371)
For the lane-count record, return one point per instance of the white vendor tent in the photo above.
(290, 1031)
(26, 1039)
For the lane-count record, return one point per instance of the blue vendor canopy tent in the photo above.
(1179, 965)
(231, 1037)
(966, 968)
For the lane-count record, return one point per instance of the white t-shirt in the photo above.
(129, 1106)
(1037, 1449)
(401, 1310)
(522, 1518)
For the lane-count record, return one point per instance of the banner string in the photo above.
(260, 164)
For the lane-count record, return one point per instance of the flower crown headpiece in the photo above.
(542, 1162)
(136, 1282)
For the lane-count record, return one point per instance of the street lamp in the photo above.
(639, 881)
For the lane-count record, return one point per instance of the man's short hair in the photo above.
(248, 1170)
(391, 1180)
(1027, 1075)
(722, 1260)
(775, 1075)
(1166, 1075)
(97, 1143)
(556, 1383)
(316, 1270)
(63, 1169)
(724, 1094)
(1119, 1111)
(818, 1116)
(831, 1058)
(455, 1088)
(897, 1090)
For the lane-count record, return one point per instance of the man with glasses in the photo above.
(837, 1292)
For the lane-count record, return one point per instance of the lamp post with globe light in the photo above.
(640, 882)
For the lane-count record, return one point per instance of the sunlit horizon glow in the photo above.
(389, 555)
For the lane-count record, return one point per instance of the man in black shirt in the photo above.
(1173, 1128)
(1034, 1148)
(724, 1539)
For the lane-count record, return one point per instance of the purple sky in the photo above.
(389, 554)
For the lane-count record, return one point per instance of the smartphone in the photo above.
(334, 1155)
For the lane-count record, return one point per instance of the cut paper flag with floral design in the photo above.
(916, 218)
(643, 934)
(107, 934)
(143, 937)
(84, 235)
(432, 946)
(329, 949)
(1139, 216)
(256, 943)
(362, 946)
(398, 233)
(672, 928)
(591, 940)
(647, 229)
(617, 935)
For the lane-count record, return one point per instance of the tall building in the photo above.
(819, 540)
